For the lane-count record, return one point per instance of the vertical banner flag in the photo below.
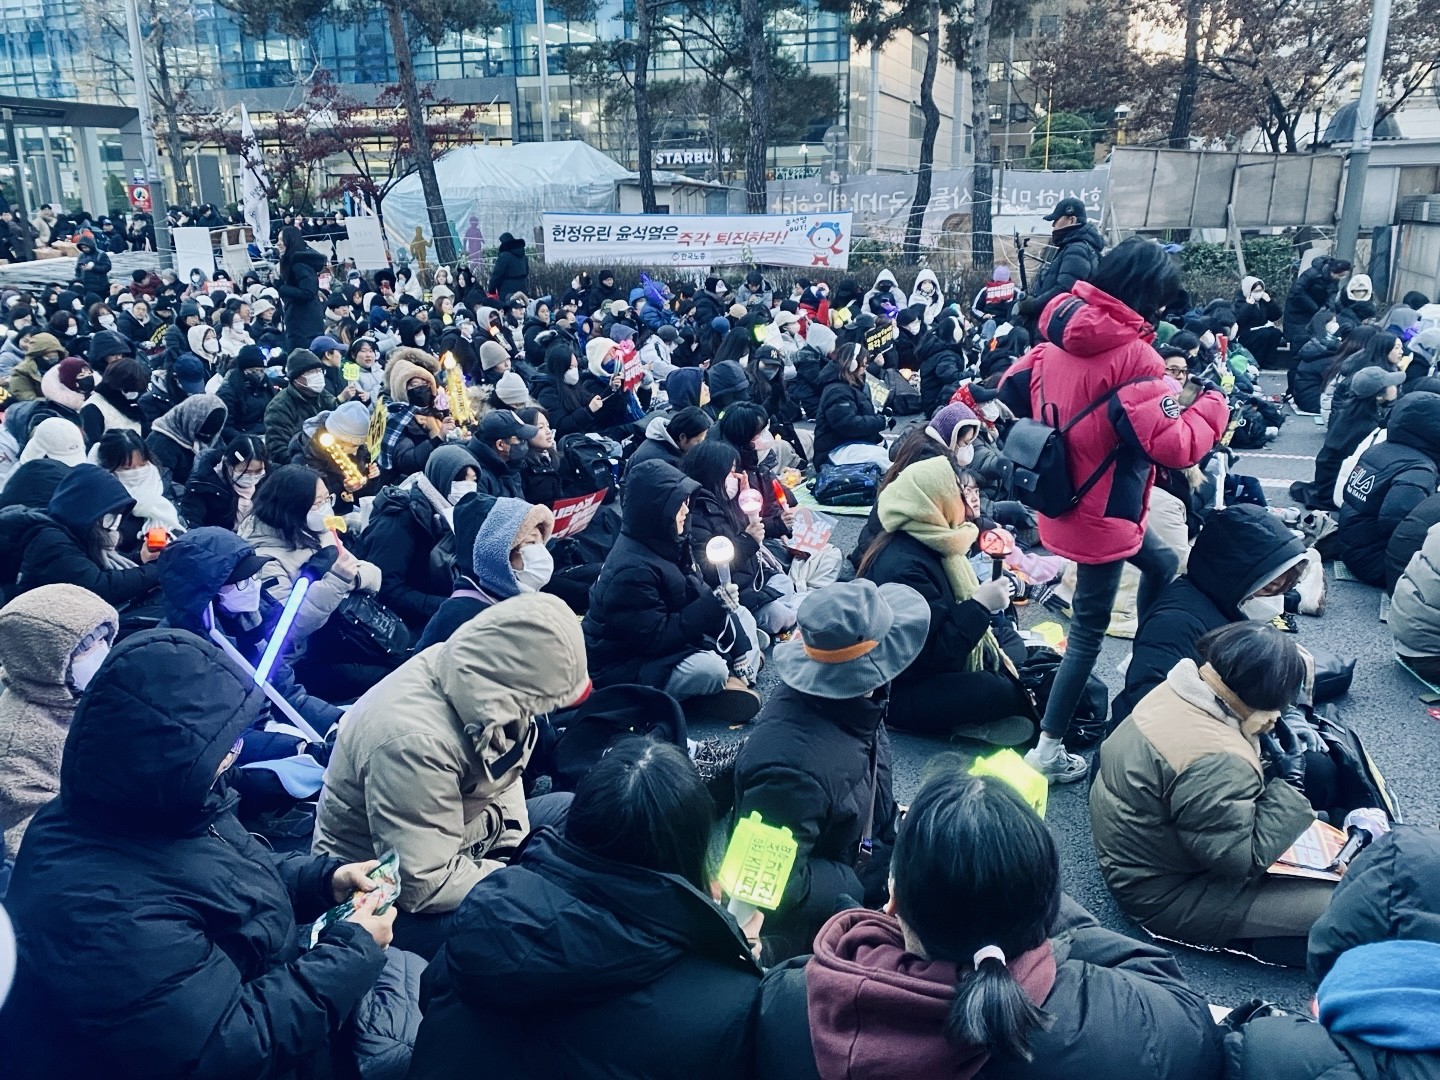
(257, 203)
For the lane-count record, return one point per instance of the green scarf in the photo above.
(924, 502)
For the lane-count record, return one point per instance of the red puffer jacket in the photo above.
(1102, 344)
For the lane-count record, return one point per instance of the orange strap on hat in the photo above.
(840, 656)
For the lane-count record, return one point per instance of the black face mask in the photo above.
(422, 397)
(255, 377)
(85, 384)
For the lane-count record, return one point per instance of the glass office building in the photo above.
(69, 49)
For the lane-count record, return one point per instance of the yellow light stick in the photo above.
(1009, 766)
(375, 437)
(343, 461)
(460, 408)
(757, 866)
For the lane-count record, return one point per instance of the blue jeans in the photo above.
(1095, 588)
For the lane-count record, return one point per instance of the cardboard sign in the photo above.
(1312, 854)
(810, 531)
(632, 371)
(572, 515)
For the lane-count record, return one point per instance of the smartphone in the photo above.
(155, 539)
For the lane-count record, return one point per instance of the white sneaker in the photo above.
(1311, 585)
(1063, 768)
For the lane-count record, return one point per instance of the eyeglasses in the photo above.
(1178, 372)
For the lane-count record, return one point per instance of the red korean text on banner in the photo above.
(572, 515)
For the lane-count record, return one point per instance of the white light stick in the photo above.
(720, 553)
(750, 502)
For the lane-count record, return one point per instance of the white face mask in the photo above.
(536, 566)
(419, 341)
(131, 479)
(732, 486)
(459, 489)
(964, 454)
(245, 482)
(315, 519)
(1263, 608)
(721, 288)
(242, 598)
(313, 380)
(763, 443)
(84, 666)
(572, 376)
(107, 321)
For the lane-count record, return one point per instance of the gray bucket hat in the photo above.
(854, 637)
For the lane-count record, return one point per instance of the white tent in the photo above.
(488, 190)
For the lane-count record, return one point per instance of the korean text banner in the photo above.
(711, 240)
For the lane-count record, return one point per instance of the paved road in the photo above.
(1382, 706)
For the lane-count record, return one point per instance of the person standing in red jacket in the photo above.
(1097, 344)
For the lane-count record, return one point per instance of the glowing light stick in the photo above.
(720, 553)
(460, 408)
(288, 614)
(343, 461)
(1009, 766)
(757, 867)
(750, 502)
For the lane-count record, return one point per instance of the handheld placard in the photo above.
(757, 866)
(1009, 766)
(720, 553)
(997, 543)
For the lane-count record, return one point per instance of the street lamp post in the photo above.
(805, 158)
(149, 156)
(544, 51)
(1359, 158)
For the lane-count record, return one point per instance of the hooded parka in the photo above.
(429, 761)
(156, 934)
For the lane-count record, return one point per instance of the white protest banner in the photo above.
(254, 182)
(709, 240)
(193, 251)
(367, 243)
(572, 515)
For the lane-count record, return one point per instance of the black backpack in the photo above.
(1040, 477)
(587, 463)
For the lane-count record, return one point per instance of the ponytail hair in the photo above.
(977, 881)
(992, 1010)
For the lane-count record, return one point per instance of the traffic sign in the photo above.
(140, 197)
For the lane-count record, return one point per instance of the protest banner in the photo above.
(572, 515)
(711, 240)
(193, 251)
(809, 531)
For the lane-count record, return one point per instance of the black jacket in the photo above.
(1076, 258)
(1407, 539)
(511, 271)
(93, 268)
(209, 498)
(806, 388)
(649, 608)
(497, 478)
(569, 965)
(245, 406)
(955, 628)
(56, 548)
(402, 540)
(1313, 290)
(807, 766)
(568, 407)
(1390, 479)
(212, 981)
(1119, 1009)
(1391, 892)
(300, 289)
(709, 519)
(1307, 380)
(174, 461)
(846, 414)
(940, 369)
(1242, 547)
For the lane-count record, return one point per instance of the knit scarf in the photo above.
(924, 502)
